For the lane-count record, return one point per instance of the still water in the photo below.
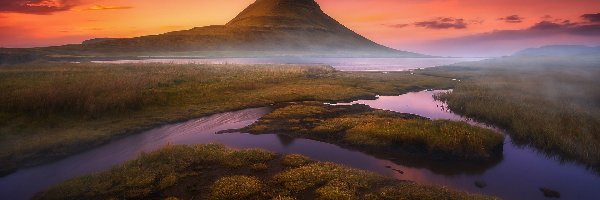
(342, 64)
(519, 175)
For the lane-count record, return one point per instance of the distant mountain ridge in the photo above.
(560, 50)
(269, 27)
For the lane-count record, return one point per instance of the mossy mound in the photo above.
(382, 132)
(216, 172)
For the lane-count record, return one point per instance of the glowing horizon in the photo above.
(436, 27)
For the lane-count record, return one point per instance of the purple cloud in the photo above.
(548, 25)
(443, 23)
(396, 25)
(40, 7)
(536, 31)
(512, 19)
(591, 17)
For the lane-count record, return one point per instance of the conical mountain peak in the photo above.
(285, 13)
(286, 27)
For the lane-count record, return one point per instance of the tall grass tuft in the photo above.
(552, 106)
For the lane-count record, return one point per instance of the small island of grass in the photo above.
(216, 172)
(382, 132)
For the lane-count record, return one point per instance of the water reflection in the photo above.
(285, 140)
(419, 103)
(518, 175)
(26, 182)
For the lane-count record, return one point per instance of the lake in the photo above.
(342, 64)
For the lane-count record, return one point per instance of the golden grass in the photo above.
(549, 103)
(381, 131)
(205, 172)
(236, 187)
(294, 160)
(49, 110)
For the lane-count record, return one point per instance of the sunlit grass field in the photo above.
(383, 132)
(50, 110)
(216, 172)
(550, 103)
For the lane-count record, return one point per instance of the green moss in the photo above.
(236, 187)
(457, 139)
(298, 111)
(167, 181)
(259, 167)
(249, 157)
(158, 171)
(415, 191)
(283, 198)
(336, 189)
(204, 172)
(294, 160)
(383, 132)
(307, 177)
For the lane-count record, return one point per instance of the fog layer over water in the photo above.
(518, 175)
(343, 64)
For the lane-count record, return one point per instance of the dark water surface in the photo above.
(519, 175)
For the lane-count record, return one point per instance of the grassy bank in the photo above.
(216, 172)
(382, 132)
(50, 110)
(551, 103)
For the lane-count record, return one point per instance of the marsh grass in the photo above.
(207, 172)
(549, 103)
(95, 89)
(294, 160)
(236, 187)
(382, 132)
(50, 110)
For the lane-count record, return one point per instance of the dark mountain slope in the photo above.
(265, 28)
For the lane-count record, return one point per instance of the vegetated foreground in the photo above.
(216, 172)
(50, 110)
(382, 132)
(552, 103)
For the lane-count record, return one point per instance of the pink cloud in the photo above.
(40, 7)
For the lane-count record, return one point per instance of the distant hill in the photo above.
(97, 40)
(265, 28)
(560, 50)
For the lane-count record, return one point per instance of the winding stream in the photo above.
(519, 175)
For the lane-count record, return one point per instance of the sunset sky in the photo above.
(437, 27)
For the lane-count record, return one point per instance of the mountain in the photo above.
(266, 27)
(560, 50)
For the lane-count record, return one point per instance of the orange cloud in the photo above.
(102, 7)
(39, 7)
